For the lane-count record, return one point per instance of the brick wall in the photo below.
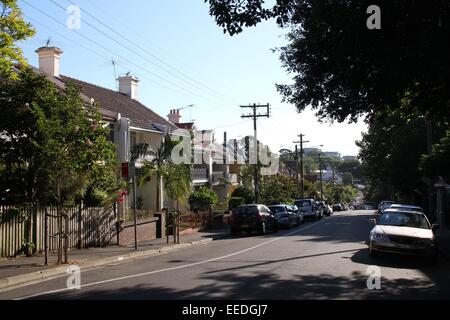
(146, 230)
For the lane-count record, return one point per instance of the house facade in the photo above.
(130, 121)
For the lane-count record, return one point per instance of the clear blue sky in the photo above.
(242, 68)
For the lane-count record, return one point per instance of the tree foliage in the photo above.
(278, 189)
(244, 192)
(344, 70)
(437, 164)
(13, 28)
(391, 151)
(53, 148)
(203, 199)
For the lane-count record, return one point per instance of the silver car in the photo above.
(404, 232)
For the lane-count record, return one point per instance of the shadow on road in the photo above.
(262, 285)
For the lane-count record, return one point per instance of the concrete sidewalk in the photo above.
(22, 270)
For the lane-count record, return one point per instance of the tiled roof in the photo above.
(140, 116)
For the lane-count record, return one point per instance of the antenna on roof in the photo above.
(115, 73)
(128, 73)
(48, 41)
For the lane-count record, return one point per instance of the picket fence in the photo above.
(86, 227)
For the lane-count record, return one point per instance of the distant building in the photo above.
(350, 158)
(307, 151)
(331, 154)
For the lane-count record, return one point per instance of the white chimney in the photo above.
(129, 85)
(174, 116)
(49, 60)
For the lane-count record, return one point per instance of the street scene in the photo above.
(224, 150)
(327, 259)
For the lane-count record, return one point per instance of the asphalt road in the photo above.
(327, 259)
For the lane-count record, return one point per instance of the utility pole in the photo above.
(296, 170)
(254, 159)
(321, 181)
(302, 176)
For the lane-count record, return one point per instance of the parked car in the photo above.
(251, 218)
(284, 214)
(406, 207)
(383, 205)
(403, 232)
(330, 209)
(324, 208)
(337, 207)
(309, 208)
(294, 208)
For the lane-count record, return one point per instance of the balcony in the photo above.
(218, 178)
(199, 176)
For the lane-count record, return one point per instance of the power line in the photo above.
(131, 50)
(231, 125)
(151, 54)
(125, 59)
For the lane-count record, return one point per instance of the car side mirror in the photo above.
(372, 222)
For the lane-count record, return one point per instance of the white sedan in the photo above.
(404, 232)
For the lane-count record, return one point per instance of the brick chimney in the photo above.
(174, 116)
(128, 85)
(49, 60)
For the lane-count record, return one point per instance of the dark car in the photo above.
(252, 218)
(285, 216)
(337, 207)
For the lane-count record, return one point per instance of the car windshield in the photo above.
(303, 203)
(404, 219)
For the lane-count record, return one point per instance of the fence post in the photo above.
(66, 236)
(46, 237)
(79, 226)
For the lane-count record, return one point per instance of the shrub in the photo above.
(235, 202)
(245, 193)
(203, 199)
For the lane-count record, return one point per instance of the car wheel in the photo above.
(233, 231)
(263, 228)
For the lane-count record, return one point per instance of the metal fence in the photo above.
(85, 227)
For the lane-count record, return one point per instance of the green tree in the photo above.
(245, 193)
(437, 163)
(391, 151)
(340, 193)
(203, 199)
(347, 178)
(344, 70)
(53, 144)
(12, 29)
(278, 189)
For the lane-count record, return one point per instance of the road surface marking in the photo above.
(172, 268)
